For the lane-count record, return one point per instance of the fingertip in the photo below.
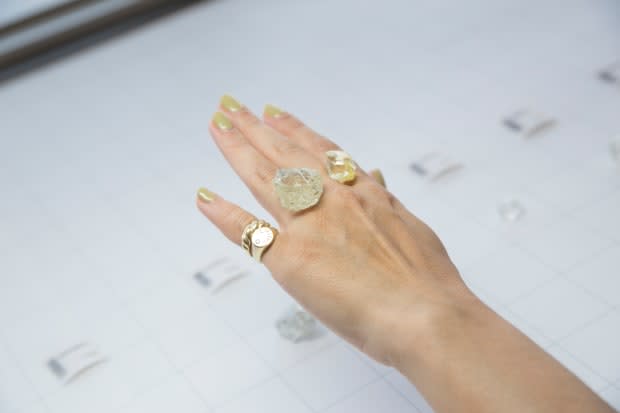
(377, 175)
(205, 196)
(272, 112)
(221, 122)
(229, 103)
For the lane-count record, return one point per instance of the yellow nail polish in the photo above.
(230, 103)
(221, 121)
(376, 173)
(273, 111)
(205, 195)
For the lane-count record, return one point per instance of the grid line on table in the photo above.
(166, 355)
(259, 356)
(82, 320)
(397, 390)
(38, 396)
(558, 342)
(586, 323)
(568, 344)
(103, 282)
(371, 383)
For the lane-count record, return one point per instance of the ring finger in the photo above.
(253, 168)
(296, 131)
(283, 152)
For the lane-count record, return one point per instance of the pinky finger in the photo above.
(229, 218)
(377, 176)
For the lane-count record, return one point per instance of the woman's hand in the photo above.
(359, 261)
(379, 277)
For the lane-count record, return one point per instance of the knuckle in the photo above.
(303, 132)
(287, 148)
(249, 120)
(324, 225)
(234, 143)
(375, 190)
(324, 144)
(310, 253)
(240, 218)
(391, 199)
(263, 173)
(297, 128)
(380, 196)
(294, 125)
(305, 253)
(348, 198)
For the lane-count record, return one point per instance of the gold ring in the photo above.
(246, 240)
(257, 237)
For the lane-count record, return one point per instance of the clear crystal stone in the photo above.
(511, 210)
(298, 188)
(296, 324)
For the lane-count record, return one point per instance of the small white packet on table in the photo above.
(434, 165)
(529, 123)
(219, 274)
(75, 360)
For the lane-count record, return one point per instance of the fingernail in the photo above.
(273, 111)
(230, 103)
(221, 121)
(205, 195)
(376, 173)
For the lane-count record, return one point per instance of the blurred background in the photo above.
(104, 109)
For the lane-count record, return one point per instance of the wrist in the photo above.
(424, 331)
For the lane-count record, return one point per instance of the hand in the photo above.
(359, 261)
(379, 277)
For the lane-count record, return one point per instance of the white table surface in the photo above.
(102, 154)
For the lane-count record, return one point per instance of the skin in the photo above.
(380, 278)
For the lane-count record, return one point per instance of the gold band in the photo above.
(257, 237)
(246, 240)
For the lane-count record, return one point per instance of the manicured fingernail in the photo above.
(230, 103)
(376, 173)
(273, 111)
(221, 121)
(205, 195)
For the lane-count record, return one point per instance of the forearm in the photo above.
(474, 361)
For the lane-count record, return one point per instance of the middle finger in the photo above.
(283, 152)
(253, 168)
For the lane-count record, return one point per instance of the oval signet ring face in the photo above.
(262, 237)
(257, 237)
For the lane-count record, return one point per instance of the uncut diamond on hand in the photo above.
(298, 188)
(340, 166)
